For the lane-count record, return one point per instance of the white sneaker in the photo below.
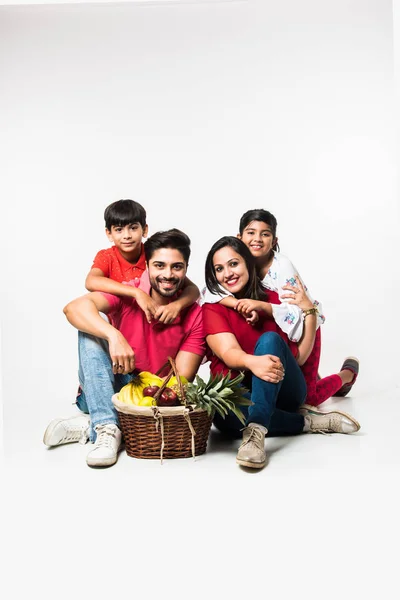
(65, 431)
(334, 421)
(108, 442)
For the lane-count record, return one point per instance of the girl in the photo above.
(270, 360)
(257, 229)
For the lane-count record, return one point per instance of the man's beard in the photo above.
(177, 284)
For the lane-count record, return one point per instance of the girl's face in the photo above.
(258, 238)
(230, 270)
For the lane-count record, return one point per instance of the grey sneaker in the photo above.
(251, 451)
(334, 421)
(108, 442)
(66, 431)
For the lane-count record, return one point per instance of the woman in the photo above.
(270, 359)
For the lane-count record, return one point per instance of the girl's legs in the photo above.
(319, 390)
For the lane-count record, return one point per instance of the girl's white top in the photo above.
(288, 316)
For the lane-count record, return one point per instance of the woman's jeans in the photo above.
(97, 381)
(275, 405)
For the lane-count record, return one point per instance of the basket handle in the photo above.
(173, 371)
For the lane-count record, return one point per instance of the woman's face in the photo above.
(230, 270)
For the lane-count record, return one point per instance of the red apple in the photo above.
(168, 398)
(151, 390)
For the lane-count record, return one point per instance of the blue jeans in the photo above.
(97, 381)
(275, 404)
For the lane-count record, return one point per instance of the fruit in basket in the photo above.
(147, 401)
(167, 398)
(150, 390)
(173, 381)
(132, 393)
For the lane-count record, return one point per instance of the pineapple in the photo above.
(220, 393)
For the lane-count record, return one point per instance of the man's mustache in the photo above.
(164, 280)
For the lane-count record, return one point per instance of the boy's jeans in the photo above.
(275, 404)
(97, 381)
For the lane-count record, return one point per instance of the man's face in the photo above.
(167, 271)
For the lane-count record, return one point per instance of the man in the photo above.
(108, 354)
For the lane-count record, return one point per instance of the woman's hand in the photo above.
(298, 296)
(267, 367)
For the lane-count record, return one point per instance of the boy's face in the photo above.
(167, 271)
(258, 238)
(127, 238)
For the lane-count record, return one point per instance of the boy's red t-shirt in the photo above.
(115, 267)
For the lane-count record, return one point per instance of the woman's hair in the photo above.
(259, 214)
(124, 212)
(173, 238)
(253, 289)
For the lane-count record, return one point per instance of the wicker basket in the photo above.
(163, 432)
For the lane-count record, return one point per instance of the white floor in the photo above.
(330, 502)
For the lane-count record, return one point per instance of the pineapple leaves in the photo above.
(220, 393)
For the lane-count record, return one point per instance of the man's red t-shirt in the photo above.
(154, 342)
(115, 267)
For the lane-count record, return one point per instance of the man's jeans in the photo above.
(97, 381)
(275, 404)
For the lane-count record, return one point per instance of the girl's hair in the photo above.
(124, 212)
(259, 214)
(253, 289)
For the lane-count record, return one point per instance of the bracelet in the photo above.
(310, 311)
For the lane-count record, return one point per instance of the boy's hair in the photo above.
(124, 212)
(259, 214)
(253, 288)
(173, 238)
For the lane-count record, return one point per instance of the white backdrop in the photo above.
(199, 112)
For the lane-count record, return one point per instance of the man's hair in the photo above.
(253, 288)
(173, 238)
(124, 212)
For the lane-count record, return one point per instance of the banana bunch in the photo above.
(132, 392)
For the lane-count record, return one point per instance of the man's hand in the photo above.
(122, 355)
(148, 306)
(167, 313)
(268, 368)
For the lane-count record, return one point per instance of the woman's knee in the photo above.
(269, 343)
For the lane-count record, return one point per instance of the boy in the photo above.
(124, 263)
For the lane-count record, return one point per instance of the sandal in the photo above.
(350, 364)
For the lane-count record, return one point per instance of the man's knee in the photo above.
(90, 344)
(269, 343)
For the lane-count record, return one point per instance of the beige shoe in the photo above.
(334, 421)
(251, 451)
